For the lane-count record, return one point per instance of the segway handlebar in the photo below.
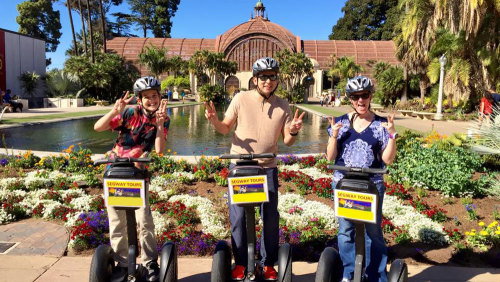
(358, 169)
(248, 156)
(122, 160)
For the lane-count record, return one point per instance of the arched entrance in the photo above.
(308, 83)
(232, 84)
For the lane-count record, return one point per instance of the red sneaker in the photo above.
(238, 272)
(270, 274)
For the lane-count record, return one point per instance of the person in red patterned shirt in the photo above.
(139, 129)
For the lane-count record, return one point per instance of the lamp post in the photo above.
(439, 115)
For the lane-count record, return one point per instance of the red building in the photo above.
(259, 37)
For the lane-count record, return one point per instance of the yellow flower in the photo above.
(473, 230)
(168, 151)
(175, 153)
(467, 233)
(495, 223)
(497, 232)
(481, 223)
(472, 234)
(483, 233)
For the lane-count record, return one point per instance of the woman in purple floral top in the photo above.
(362, 139)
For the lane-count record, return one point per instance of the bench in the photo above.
(102, 103)
(424, 115)
(377, 108)
(406, 112)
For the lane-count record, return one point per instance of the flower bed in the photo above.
(193, 220)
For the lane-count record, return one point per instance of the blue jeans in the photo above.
(375, 249)
(270, 233)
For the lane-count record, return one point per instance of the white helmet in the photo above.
(358, 84)
(264, 64)
(146, 83)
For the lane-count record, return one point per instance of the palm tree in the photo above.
(344, 68)
(154, 59)
(91, 33)
(83, 27)
(68, 4)
(103, 26)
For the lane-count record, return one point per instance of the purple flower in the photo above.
(4, 162)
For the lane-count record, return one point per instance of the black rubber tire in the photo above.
(102, 264)
(329, 266)
(285, 263)
(398, 271)
(168, 262)
(221, 263)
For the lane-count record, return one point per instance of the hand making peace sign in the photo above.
(161, 113)
(121, 103)
(389, 125)
(335, 126)
(210, 112)
(296, 124)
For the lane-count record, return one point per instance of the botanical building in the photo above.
(259, 37)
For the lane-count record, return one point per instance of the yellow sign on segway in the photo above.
(356, 205)
(125, 193)
(248, 189)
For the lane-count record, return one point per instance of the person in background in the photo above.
(486, 108)
(182, 95)
(7, 101)
(140, 129)
(362, 139)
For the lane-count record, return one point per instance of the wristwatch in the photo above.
(393, 136)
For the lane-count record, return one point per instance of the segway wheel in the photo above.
(221, 264)
(102, 264)
(285, 263)
(328, 266)
(398, 271)
(168, 262)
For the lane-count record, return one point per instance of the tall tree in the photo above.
(38, 19)
(141, 13)
(83, 25)
(72, 26)
(366, 20)
(163, 12)
(121, 26)
(90, 33)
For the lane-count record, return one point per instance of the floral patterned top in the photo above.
(136, 133)
(360, 149)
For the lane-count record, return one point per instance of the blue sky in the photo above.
(310, 19)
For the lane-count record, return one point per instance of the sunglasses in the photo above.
(363, 96)
(271, 77)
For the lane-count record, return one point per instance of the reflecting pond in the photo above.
(189, 134)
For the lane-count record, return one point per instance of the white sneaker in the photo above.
(345, 280)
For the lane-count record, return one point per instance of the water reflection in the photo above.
(189, 134)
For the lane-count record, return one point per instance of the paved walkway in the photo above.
(194, 269)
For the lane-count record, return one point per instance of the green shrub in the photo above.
(449, 171)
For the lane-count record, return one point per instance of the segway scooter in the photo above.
(125, 189)
(356, 199)
(248, 188)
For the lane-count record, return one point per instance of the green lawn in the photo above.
(67, 115)
(331, 112)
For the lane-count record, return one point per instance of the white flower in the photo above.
(5, 217)
(72, 218)
(310, 209)
(77, 177)
(212, 222)
(312, 172)
(420, 227)
(6, 183)
(82, 203)
(162, 223)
